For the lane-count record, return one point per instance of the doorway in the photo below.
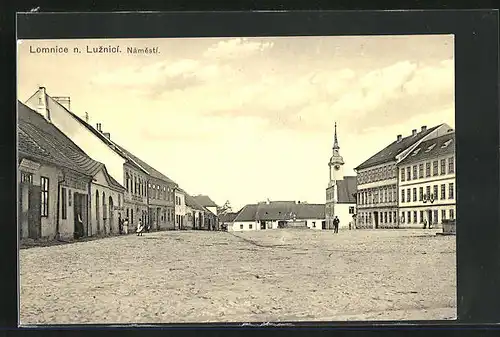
(429, 218)
(34, 212)
(80, 215)
(110, 216)
(375, 219)
(323, 224)
(262, 224)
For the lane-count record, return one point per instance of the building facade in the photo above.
(180, 209)
(194, 213)
(210, 212)
(57, 184)
(123, 166)
(377, 180)
(279, 214)
(341, 191)
(427, 187)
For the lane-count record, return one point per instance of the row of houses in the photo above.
(75, 181)
(409, 183)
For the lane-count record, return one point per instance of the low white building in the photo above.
(427, 189)
(279, 214)
(180, 209)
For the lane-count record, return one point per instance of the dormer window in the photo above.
(430, 148)
(415, 152)
(446, 144)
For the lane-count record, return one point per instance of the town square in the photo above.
(222, 180)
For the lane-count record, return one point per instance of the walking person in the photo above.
(140, 228)
(336, 223)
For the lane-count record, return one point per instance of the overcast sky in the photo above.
(245, 119)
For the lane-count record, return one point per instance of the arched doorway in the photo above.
(97, 216)
(111, 220)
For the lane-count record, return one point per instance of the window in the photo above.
(415, 220)
(421, 216)
(414, 172)
(408, 195)
(44, 184)
(250, 226)
(450, 191)
(69, 197)
(428, 169)
(421, 170)
(241, 226)
(435, 217)
(443, 214)
(390, 217)
(435, 191)
(403, 176)
(435, 168)
(26, 177)
(64, 207)
(402, 217)
(385, 217)
(414, 194)
(451, 165)
(351, 209)
(409, 217)
(443, 191)
(402, 196)
(314, 224)
(408, 173)
(452, 214)
(385, 195)
(443, 166)
(420, 193)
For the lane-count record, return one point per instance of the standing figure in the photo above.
(140, 228)
(336, 222)
(125, 226)
(120, 223)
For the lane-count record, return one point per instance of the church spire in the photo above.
(335, 140)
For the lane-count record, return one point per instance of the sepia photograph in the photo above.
(236, 179)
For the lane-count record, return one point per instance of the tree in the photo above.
(226, 208)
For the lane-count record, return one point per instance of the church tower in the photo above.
(336, 164)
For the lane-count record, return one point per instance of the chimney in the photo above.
(424, 128)
(107, 135)
(65, 101)
(98, 126)
(399, 138)
(413, 132)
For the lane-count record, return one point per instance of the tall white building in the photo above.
(341, 190)
(377, 197)
(427, 187)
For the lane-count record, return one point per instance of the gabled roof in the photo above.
(432, 148)
(228, 217)
(205, 201)
(390, 152)
(41, 140)
(346, 190)
(281, 210)
(191, 202)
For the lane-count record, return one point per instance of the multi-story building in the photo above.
(341, 191)
(377, 197)
(180, 209)
(124, 167)
(427, 183)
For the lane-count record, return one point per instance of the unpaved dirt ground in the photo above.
(263, 276)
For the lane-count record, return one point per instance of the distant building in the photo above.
(226, 220)
(194, 213)
(377, 197)
(427, 186)
(341, 191)
(279, 214)
(59, 183)
(210, 216)
(149, 194)
(180, 209)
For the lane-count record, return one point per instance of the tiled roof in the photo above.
(346, 190)
(228, 217)
(41, 140)
(390, 152)
(191, 202)
(281, 210)
(432, 148)
(205, 201)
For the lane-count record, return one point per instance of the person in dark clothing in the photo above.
(336, 223)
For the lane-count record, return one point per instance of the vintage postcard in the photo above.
(244, 179)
